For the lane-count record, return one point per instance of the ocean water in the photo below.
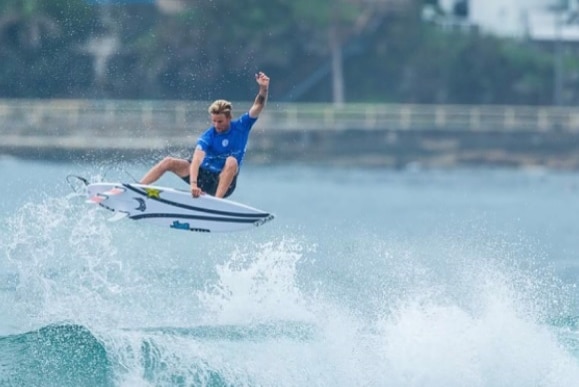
(365, 278)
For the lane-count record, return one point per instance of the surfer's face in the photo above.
(220, 122)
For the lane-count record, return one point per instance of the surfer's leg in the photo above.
(231, 187)
(180, 167)
(226, 176)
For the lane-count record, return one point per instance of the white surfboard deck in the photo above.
(174, 208)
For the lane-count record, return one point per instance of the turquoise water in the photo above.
(366, 277)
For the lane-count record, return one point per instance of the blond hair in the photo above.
(221, 106)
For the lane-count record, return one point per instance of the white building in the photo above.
(535, 19)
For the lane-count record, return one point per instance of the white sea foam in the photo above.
(452, 306)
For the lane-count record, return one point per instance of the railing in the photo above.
(173, 118)
(426, 117)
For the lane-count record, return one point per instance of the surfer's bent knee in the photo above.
(231, 162)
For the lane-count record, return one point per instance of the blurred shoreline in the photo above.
(380, 135)
(428, 149)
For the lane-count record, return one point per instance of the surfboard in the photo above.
(173, 208)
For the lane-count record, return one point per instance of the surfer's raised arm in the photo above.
(261, 98)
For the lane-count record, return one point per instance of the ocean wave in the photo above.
(71, 355)
(55, 355)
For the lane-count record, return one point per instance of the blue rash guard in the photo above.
(219, 146)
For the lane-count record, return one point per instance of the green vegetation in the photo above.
(210, 49)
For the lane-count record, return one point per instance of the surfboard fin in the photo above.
(118, 216)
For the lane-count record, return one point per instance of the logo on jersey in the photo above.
(225, 142)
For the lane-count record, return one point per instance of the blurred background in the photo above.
(373, 82)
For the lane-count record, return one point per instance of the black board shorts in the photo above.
(208, 181)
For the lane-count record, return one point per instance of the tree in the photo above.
(34, 36)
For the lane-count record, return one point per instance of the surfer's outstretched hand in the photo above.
(195, 190)
(262, 79)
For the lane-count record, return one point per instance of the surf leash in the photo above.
(82, 179)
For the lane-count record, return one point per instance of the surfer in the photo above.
(216, 160)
